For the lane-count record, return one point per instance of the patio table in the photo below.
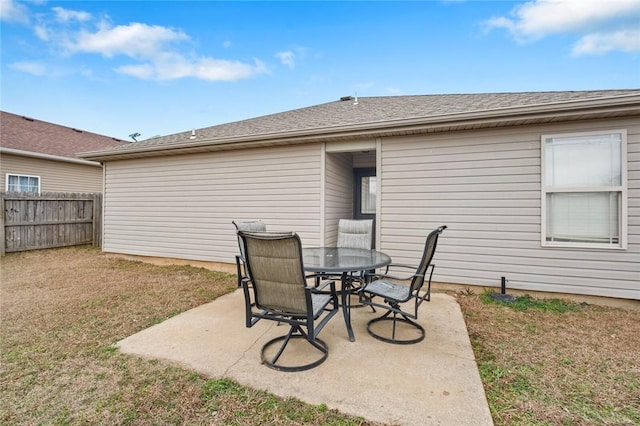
(331, 261)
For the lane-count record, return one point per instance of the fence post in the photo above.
(97, 219)
(3, 246)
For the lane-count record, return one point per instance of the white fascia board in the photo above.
(42, 156)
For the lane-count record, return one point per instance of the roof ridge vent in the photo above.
(346, 98)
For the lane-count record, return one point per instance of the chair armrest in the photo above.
(394, 277)
(400, 265)
(318, 277)
(322, 286)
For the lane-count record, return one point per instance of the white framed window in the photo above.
(22, 183)
(584, 189)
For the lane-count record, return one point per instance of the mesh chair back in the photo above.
(355, 233)
(274, 263)
(427, 256)
(248, 226)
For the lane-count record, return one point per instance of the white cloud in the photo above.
(626, 41)
(287, 58)
(600, 22)
(143, 71)
(66, 15)
(173, 66)
(292, 57)
(224, 70)
(156, 47)
(29, 67)
(135, 40)
(539, 18)
(42, 32)
(11, 11)
(157, 52)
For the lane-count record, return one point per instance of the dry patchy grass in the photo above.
(548, 365)
(63, 310)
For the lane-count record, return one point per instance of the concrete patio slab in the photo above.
(434, 382)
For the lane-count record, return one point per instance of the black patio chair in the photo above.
(395, 293)
(248, 226)
(276, 289)
(355, 233)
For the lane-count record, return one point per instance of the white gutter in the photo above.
(42, 156)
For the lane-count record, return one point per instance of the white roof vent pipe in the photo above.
(193, 134)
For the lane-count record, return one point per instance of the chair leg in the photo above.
(368, 299)
(356, 292)
(394, 321)
(284, 344)
(294, 333)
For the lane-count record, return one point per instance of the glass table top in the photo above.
(342, 259)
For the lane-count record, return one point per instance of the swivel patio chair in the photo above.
(249, 226)
(276, 289)
(395, 293)
(354, 233)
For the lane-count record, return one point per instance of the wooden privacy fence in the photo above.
(37, 221)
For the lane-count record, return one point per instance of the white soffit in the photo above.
(351, 146)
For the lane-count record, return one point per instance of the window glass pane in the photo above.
(13, 184)
(17, 183)
(592, 160)
(368, 195)
(33, 184)
(24, 184)
(590, 217)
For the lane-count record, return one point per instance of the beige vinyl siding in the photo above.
(338, 194)
(55, 176)
(485, 186)
(182, 206)
(364, 159)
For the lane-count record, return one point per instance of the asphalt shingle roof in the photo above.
(373, 110)
(27, 134)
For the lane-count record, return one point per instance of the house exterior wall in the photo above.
(182, 206)
(485, 185)
(55, 176)
(338, 194)
(364, 160)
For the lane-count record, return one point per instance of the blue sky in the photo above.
(161, 67)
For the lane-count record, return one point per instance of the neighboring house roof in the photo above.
(351, 118)
(26, 136)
